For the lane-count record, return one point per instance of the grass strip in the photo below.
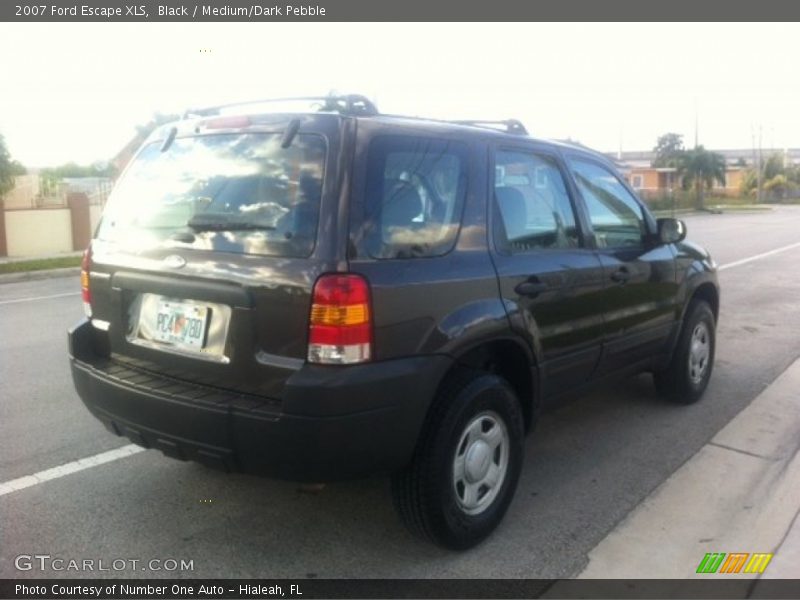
(40, 264)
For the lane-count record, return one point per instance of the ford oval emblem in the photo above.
(173, 261)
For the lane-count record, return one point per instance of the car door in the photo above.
(640, 275)
(550, 281)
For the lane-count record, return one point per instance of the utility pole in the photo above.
(758, 167)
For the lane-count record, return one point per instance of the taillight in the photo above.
(86, 293)
(340, 325)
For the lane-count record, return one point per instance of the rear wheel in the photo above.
(467, 463)
(687, 375)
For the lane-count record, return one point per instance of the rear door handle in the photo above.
(530, 288)
(621, 275)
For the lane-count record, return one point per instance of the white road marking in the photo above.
(743, 261)
(32, 298)
(21, 483)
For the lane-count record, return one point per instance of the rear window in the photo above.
(239, 193)
(414, 197)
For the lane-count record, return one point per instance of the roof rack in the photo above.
(351, 104)
(358, 106)
(509, 125)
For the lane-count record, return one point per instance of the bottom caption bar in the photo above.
(157, 589)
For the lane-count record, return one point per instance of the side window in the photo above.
(615, 214)
(532, 209)
(414, 197)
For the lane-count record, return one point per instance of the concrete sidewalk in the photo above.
(739, 493)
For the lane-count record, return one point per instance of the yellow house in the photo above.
(660, 180)
(733, 181)
(651, 181)
(654, 179)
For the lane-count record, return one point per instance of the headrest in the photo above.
(401, 204)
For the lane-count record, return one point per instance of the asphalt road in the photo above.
(589, 463)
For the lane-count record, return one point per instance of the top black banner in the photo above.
(398, 10)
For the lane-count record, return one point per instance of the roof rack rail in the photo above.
(509, 125)
(351, 104)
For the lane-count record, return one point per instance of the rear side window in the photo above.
(414, 196)
(239, 193)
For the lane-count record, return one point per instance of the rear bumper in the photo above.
(331, 423)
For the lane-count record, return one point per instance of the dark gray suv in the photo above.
(332, 292)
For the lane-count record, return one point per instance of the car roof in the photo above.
(509, 130)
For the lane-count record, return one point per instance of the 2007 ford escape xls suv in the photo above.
(333, 293)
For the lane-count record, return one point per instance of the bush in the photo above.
(668, 200)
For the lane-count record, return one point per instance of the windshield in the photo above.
(240, 193)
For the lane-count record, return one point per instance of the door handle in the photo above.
(621, 275)
(530, 288)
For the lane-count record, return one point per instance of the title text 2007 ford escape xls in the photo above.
(335, 292)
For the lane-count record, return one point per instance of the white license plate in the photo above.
(180, 324)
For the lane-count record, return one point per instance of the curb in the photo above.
(710, 210)
(41, 274)
(738, 493)
(668, 212)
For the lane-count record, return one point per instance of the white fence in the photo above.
(37, 232)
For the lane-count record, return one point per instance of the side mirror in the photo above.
(671, 231)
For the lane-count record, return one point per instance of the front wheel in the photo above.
(467, 463)
(687, 375)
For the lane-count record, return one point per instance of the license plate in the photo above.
(181, 324)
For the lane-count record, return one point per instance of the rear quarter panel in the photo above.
(444, 304)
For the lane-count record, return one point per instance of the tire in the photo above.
(687, 375)
(459, 483)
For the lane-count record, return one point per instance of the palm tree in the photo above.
(699, 168)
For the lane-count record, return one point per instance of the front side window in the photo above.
(531, 206)
(414, 196)
(615, 214)
(240, 193)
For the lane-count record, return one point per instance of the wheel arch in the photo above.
(511, 359)
(709, 293)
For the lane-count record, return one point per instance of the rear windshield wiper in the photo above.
(217, 222)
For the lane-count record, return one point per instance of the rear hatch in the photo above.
(204, 261)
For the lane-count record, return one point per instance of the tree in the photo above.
(50, 178)
(779, 180)
(9, 169)
(773, 166)
(72, 169)
(700, 168)
(669, 148)
(779, 186)
(793, 174)
(156, 120)
(749, 183)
